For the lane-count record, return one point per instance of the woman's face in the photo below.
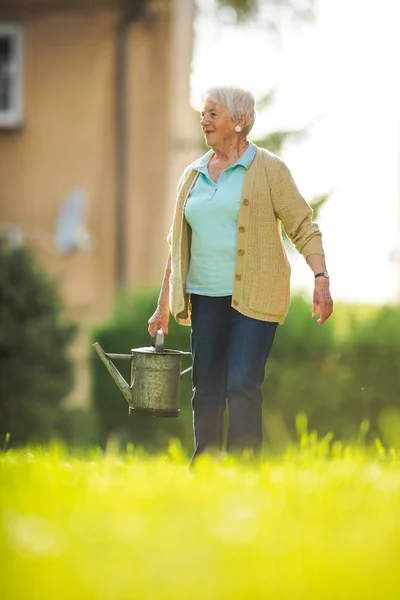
(217, 125)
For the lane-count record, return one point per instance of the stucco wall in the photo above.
(68, 141)
(162, 135)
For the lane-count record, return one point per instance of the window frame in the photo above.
(13, 117)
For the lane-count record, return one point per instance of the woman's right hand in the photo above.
(159, 320)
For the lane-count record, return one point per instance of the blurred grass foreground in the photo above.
(322, 521)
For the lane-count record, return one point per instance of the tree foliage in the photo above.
(265, 11)
(35, 369)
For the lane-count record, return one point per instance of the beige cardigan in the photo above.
(269, 197)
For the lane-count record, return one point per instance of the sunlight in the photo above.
(339, 76)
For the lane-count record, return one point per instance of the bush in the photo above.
(338, 378)
(35, 370)
(340, 375)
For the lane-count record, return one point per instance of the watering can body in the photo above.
(155, 376)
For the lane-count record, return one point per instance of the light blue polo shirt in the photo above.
(212, 211)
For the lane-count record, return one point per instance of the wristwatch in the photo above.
(324, 274)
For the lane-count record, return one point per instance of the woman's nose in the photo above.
(203, 119)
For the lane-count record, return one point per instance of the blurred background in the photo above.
(99, 104)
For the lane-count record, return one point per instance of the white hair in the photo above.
(236, 101)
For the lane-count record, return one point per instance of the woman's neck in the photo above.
(231, 151)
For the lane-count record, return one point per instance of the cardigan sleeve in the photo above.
(293, 210)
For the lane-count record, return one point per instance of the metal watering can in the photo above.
(155, 377)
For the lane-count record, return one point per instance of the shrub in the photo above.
(338, 378)
(35, 370)
(341, 375)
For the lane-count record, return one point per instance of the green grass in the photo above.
(322, 522)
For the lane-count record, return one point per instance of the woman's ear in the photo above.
(241, 123)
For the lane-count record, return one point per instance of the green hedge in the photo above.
(36, 371)
(340, 375)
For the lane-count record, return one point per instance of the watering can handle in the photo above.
(189, 368)
(186, 371)
(158, 341)
(158, 344)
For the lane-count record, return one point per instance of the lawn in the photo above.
(322, 521)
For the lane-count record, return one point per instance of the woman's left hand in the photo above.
(322, 300)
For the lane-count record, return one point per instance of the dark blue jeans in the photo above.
(229, 352)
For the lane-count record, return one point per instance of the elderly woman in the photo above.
(227, 273)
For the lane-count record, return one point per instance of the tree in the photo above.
(264, 10)
(35, 369)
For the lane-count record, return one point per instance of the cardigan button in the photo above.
(235, 302)
(245, 202)
(238, 276)
(240, 252)
(242, 229)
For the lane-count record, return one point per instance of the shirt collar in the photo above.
(202, 163)
(245, 160)
(247, 156)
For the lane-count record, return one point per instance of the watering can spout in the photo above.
(123, 385)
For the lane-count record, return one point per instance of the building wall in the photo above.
(148, 147)
(68, 141)
(184, 127)
(162, 134)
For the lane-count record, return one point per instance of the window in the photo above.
(10, 75)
